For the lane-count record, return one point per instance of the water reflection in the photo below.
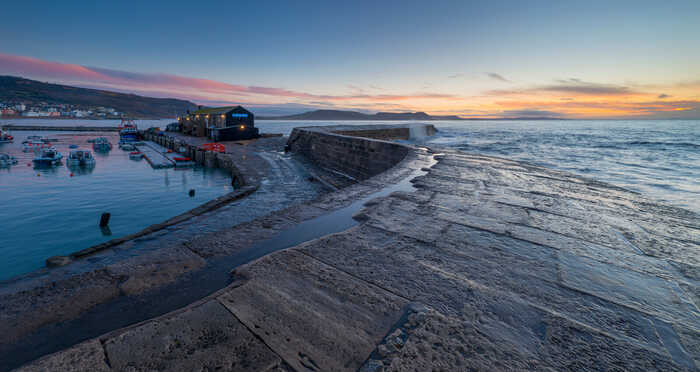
(81, 170)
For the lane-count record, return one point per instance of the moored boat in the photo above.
(183, 161)
(135, 155)
(101, 144)
(126, 146)
(5, 137)
(48, 157)
(34, 145)
(7, 160)
(128, 131)
(80, 158)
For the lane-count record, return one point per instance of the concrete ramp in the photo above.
(156, 155)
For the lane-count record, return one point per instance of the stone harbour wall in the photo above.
(358, 157)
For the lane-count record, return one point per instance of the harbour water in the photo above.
(56, 210)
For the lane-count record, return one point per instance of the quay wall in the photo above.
(340, 149)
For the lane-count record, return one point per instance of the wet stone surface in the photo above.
(489, 264)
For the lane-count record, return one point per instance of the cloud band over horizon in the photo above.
(567, 98)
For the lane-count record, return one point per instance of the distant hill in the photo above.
(354, 115)
(30, 91)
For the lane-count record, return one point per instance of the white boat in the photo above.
(34, 145)
(101, 144)
(80, 158)
(5, 137)
(7, 160)
(48, 156)
(126, 146)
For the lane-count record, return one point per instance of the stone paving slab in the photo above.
(316, 317)
(204, 337)
(87, 356)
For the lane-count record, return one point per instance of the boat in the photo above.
(101, 144)
(34, 145)
(183, 161)
(73, 146)
(80, 158)
(32, 138)
(5, 137)
(126, 146)
(128, 131)
(135, 155)
(7, 160)
(48, 156)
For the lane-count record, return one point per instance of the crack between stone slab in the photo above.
(256, 335)
(106, 355)
(356, 277)
(187, 246)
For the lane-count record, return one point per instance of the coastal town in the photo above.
(55, 111)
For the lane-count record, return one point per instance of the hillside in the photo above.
(15, 89)
(354, 115)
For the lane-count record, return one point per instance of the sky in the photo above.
(486, 59)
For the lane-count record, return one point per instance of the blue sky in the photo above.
(442, 55)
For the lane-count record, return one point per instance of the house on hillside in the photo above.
(230, 123)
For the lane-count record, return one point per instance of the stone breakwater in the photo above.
(357, 157)
(489, 264)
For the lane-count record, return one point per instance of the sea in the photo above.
(657, 158)
(47, 212)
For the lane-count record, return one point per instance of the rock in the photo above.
(57, 261)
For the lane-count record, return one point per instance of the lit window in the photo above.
(242, 126)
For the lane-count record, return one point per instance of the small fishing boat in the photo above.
(126, 146)
(81, 158)
(5, 137)
(48, 157)
(34, 145)
(183, 161)
(32, 138)
(101, 144)
(73, 146)
(7, 160)
(135, 155)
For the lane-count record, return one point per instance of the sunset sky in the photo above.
(582, 59)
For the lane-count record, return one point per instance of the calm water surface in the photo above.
(47, 212)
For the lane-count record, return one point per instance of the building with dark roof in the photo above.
(230, 123)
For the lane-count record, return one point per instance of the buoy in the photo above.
(71, 174)
(38, 174)
(29, 164)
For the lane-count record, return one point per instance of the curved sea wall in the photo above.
(357, 151)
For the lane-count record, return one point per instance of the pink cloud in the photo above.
(166, 85)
